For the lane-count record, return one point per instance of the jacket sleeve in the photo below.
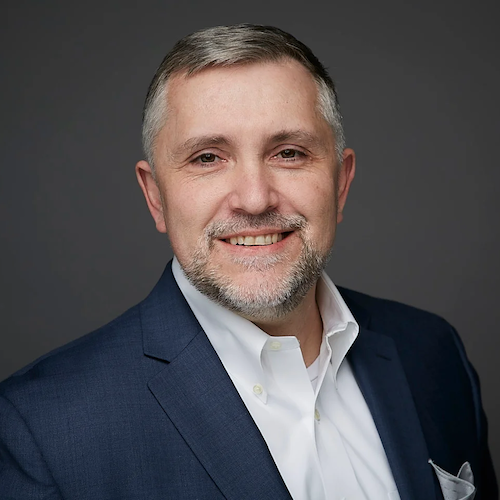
(23, 471)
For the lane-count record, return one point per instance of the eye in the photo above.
(288, 153)
(207, 158)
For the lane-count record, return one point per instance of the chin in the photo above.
(261, 288)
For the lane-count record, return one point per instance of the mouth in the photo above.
(259, 240)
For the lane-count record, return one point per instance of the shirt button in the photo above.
(257, 389)
(275, 345)
(317, 416)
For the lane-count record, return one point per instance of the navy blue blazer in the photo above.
(143, 409)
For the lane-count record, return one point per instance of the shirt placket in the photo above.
(290, 389)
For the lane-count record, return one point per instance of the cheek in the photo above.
(188, 210)
(318, 205)
(315, 199)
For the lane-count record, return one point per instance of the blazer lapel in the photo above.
(199, 398)
(381, 378)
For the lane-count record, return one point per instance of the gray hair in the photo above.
(230, 45)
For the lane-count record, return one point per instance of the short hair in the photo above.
(223, 46)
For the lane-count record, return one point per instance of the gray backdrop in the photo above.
(418, 85)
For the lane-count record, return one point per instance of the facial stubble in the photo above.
(274, 297)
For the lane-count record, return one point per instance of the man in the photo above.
(246, 374)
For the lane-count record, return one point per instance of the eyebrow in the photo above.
(302, 137)
(202, 142)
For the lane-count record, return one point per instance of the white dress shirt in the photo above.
(314, 420)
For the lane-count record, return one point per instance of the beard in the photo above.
(273, 297)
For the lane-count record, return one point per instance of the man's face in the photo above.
(248, 186)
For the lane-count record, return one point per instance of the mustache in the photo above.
(238, 223)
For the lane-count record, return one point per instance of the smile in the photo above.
(261, 240)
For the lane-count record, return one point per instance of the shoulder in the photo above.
(429, 347)
(424, 340)
(85, 360)
(389, 313)
(105, 360)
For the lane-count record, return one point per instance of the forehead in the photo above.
(246, 104)
(249, 89)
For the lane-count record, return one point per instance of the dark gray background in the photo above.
(419, 87)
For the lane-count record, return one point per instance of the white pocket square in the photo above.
(459, 487)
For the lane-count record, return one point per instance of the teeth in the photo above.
(261, 240)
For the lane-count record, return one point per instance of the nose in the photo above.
(253, 189)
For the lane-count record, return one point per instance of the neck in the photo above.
(304, 322)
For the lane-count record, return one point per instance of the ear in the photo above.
(151, 193)
(345, 177)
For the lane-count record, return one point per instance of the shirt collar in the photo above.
(339, 325)
(239, 343)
